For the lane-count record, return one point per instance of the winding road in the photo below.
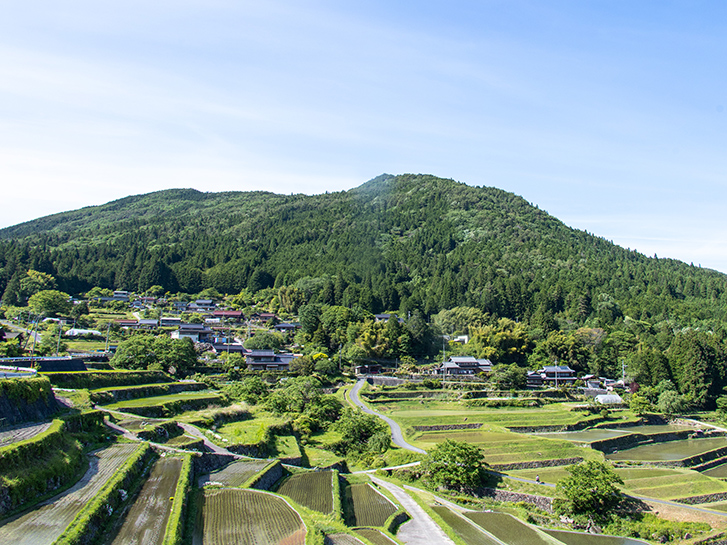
(396, 435)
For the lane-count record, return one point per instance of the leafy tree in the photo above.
(35, 281)
(265, 340)
(11, 349)
(361, 432)
(454, 464)
(639, 404)
(508, 377)
(174, 356)
(591, 488)
(50, 303)
(252, 390)
(671, 403)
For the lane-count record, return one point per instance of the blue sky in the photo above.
(611, 115)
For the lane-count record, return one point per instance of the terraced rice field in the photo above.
(247, 517)
(341, 539)
(468, 531)
(45, 524)
(669, 484)
(525, 448)
(146, 521)
(375, 536)
(138, 424)
(161, 400)
(313, 490)
(508, 529)
(234, 474)
(578, 538)
(670, 451)
(367, 507)
(22, 433)
(718, 472)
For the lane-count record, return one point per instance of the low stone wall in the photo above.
(698, 460)
(541, 502)
(268, 477)
(161, 432)
(413, 394)
(536, 464)
(709, 465)
(387, 381)
(635, 439)
(704, 498)
(209, 461)
(447, 427)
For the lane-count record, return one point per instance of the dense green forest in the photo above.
(413, 244)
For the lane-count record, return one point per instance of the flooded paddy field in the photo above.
(669, 451)
(586, 436)
(579, 538)
(718, 472)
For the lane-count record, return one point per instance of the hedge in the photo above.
(174, 532)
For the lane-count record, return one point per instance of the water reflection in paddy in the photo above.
(585, 436)
(672, 450)
(577, 538)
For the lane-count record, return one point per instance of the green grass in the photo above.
(249, 432)
(318, 457)
(161, 400)
(671, 484)
(286, 447)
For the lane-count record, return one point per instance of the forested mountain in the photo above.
(395, 243)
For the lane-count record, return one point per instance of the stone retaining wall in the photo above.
(635, 439)
(268, 477)
(447, 427)
(541, 502)
(208, 462)
(705, 498)
(536, 464)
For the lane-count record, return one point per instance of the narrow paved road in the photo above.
(421, 529)
(396, 436)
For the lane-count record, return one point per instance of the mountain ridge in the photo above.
(398, 242)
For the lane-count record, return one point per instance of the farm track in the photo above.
(146, 521)
(22, 433)
(44, 524)
(421, 529)
(396, 435)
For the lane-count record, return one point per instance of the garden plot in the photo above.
(146, 521)
(234, 474)
(22, 433)
(365, 506)
(247, 517)
(313, 490)
(46, 523)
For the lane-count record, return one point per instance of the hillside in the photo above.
(394, 243)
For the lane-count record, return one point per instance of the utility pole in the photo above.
(58, 343)
(108, 327)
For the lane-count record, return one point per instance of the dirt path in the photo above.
(146, 521)
(44, 524)
(421, 529)
(21, 433)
